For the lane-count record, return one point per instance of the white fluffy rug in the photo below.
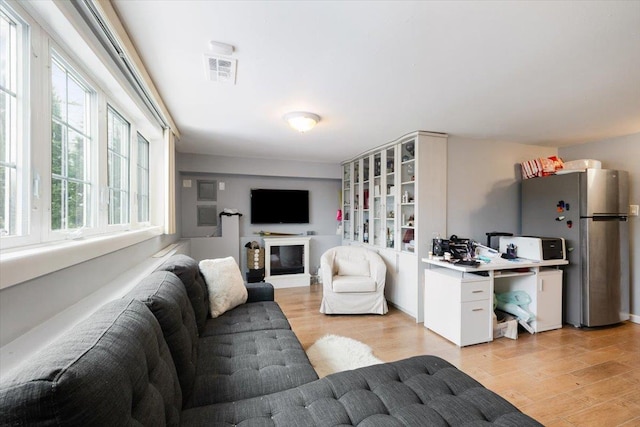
(333, 353)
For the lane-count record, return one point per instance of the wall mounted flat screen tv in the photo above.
(279, 206)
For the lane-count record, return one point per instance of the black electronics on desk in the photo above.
(459, 248)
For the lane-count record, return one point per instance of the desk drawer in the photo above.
(475, 291)
(475, 319)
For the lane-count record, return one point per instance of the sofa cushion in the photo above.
(113, 368)
(224, 284)
(243, 365)
(163, 293)
(353, 284)
(420, 391)
(186, 268)
(353, 267)
(255, 316)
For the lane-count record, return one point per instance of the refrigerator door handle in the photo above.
(608, 217)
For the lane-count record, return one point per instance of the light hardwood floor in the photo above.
(566, 377)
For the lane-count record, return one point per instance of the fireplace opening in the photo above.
(287, 259)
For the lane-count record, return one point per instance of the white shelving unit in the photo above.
(394, 200)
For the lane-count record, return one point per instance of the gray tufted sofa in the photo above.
(154, 358)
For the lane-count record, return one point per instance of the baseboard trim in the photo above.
(402, 309)
(634, 318)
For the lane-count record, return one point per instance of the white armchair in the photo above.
(353, 281)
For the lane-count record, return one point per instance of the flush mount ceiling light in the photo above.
(302, 121)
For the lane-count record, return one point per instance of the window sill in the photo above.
(28, 263)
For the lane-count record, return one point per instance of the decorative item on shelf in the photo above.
(408, 235)
(366, 199)
(391, 214)
(339, 215)
(410, 222)
(365, 233)
(405, 158)
(390, 190)
(411, 148)
(390, 166)
(377, 167)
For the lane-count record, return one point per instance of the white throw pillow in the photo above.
(225, 284)
(347, 267)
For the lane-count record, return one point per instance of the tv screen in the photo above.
(279, 206)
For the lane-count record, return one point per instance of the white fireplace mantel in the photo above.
(287, 280)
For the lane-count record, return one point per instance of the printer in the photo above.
(535, 248)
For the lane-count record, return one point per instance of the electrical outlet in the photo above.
(633, 210)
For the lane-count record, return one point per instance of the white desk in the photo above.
(458, 302)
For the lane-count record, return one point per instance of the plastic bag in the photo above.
(541, 167)
(516, 303)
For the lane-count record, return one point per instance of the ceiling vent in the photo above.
(220, 69)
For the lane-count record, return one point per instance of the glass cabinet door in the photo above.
(366, 198)
(356, 221)
(390, 197)
(346, 202)
(378, 202)
(407, 195)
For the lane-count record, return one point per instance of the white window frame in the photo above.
(128, 193)
(142, 194)
(92, 225)
(21, 217)
(50, 27)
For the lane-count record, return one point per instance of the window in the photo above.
(118, 135)
(12, 93)
(143, 179)
(71, 188)
(77, 151)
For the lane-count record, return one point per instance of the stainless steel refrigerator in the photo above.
(589, 209)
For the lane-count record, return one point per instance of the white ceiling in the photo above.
(547, 73)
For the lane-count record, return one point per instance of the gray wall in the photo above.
(323, 202)
(186, 163)
(619, 153)
(241, 175)
(484, 185)
(26, 305)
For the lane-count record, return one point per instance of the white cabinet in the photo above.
(394, 198)
(549, 300)
(544, 287)
(458, 306)
(408, 296)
